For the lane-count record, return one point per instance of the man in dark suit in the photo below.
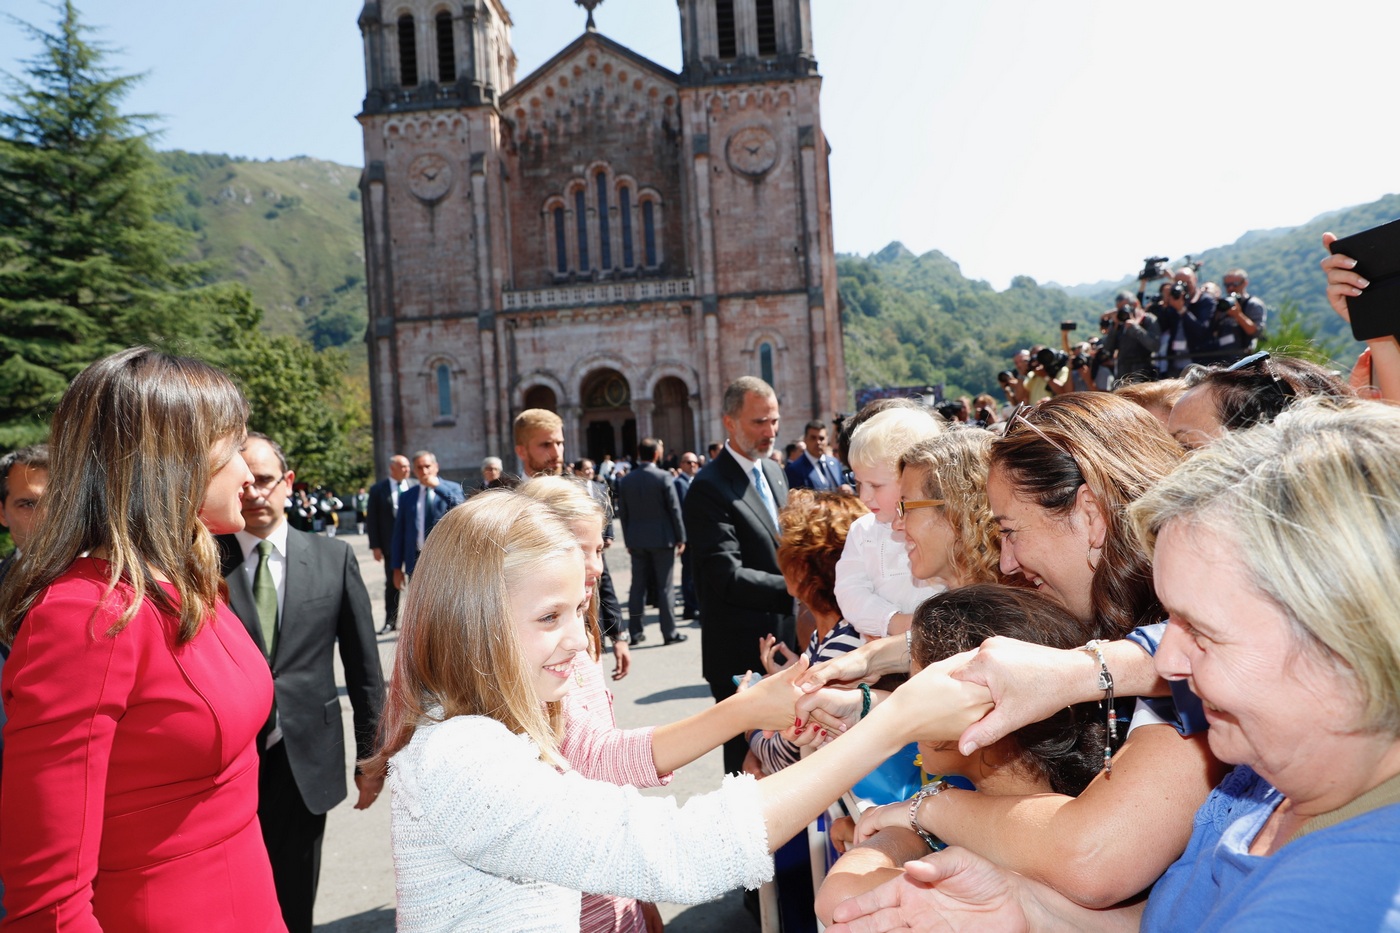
(419, 510)
(299, 595)
(690, 465)
(383, 506)
(731, 522)
(816, 468)
(653, 529)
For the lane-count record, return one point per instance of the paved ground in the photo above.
(357, 872)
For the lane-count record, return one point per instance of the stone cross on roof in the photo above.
(589, 5)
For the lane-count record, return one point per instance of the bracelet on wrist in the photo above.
(864, 699)
(1105, 683)
(933, 790)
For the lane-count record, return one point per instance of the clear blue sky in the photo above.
(1064, 141)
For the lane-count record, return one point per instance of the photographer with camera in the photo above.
(1082, 360)
(1134, 337)
(1238, 322)
(1185, 322)
(1013, 381)
(1049, 374)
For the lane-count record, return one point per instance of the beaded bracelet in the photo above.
(864, 699)
(934, 843)
(1105, 683)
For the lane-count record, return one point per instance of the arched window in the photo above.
(724, 29)
(408, 52)
(767, 27)
(444, 390)
(561, 250)
(624, 196)
(649, 233)
(604, 231)
(765, 362)
(581, 224)
(446, 55)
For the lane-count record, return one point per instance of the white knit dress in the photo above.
(488, 837)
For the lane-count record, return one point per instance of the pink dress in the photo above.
(131, 778)
(597, 749)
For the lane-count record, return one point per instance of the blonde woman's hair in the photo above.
(136, 439)
(458, 649)
(1312, 503)
(880, 441)
(954, 467)
(569, 498)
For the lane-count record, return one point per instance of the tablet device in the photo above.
(1376, 311)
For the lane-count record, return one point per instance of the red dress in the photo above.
(131, 778)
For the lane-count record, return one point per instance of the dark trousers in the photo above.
(652, 568)
(689, 605)
(293, 835)
(391, 598)
(737, 748)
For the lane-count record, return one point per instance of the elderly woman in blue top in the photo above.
(1275, 555)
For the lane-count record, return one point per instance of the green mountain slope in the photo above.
(288, 230)
(916, 320)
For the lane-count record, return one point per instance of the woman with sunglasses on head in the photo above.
(1250, 391)
(134, 695)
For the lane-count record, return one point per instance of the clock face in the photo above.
(430, 177)
(752, 151)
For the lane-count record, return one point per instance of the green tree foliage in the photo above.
(85, 266)
(93, 258)
(915, 320)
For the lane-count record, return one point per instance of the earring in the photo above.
(1089, 559)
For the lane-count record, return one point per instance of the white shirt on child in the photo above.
(873, 579)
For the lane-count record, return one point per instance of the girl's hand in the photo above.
(770, 702)
(890, 816)
(769, 647)
(842, 834)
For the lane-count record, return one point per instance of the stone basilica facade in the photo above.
(604, 238)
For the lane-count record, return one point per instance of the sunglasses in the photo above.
(1262, 357)
(903, 508)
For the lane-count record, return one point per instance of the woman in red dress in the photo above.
(134, 696)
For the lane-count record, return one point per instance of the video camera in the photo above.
(1155, 267)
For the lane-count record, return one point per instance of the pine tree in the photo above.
(86, 265)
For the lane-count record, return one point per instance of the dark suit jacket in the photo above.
(324, 602)
(799, 473)
(379, 517)
(403, 550)
(649, 508)
(734, 552)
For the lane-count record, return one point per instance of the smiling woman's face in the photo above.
(548, 610)
(1268, 699)
(1051, 552)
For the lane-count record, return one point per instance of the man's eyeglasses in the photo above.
(265, 484)
(1262, 360)
(903, 508)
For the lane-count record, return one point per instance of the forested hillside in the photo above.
(289, 231)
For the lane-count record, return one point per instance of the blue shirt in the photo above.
(1345, 877)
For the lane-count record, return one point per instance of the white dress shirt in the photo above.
(276, 561)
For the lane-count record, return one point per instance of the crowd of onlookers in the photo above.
(1118, 658)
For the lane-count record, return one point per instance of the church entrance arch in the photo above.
(541, 397)
(609, 424)
(672, 420)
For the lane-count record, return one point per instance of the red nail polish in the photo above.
(798, 724)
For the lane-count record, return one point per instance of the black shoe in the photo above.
(677, 638)
(637, 639)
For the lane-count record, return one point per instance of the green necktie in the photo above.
(265, 597)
